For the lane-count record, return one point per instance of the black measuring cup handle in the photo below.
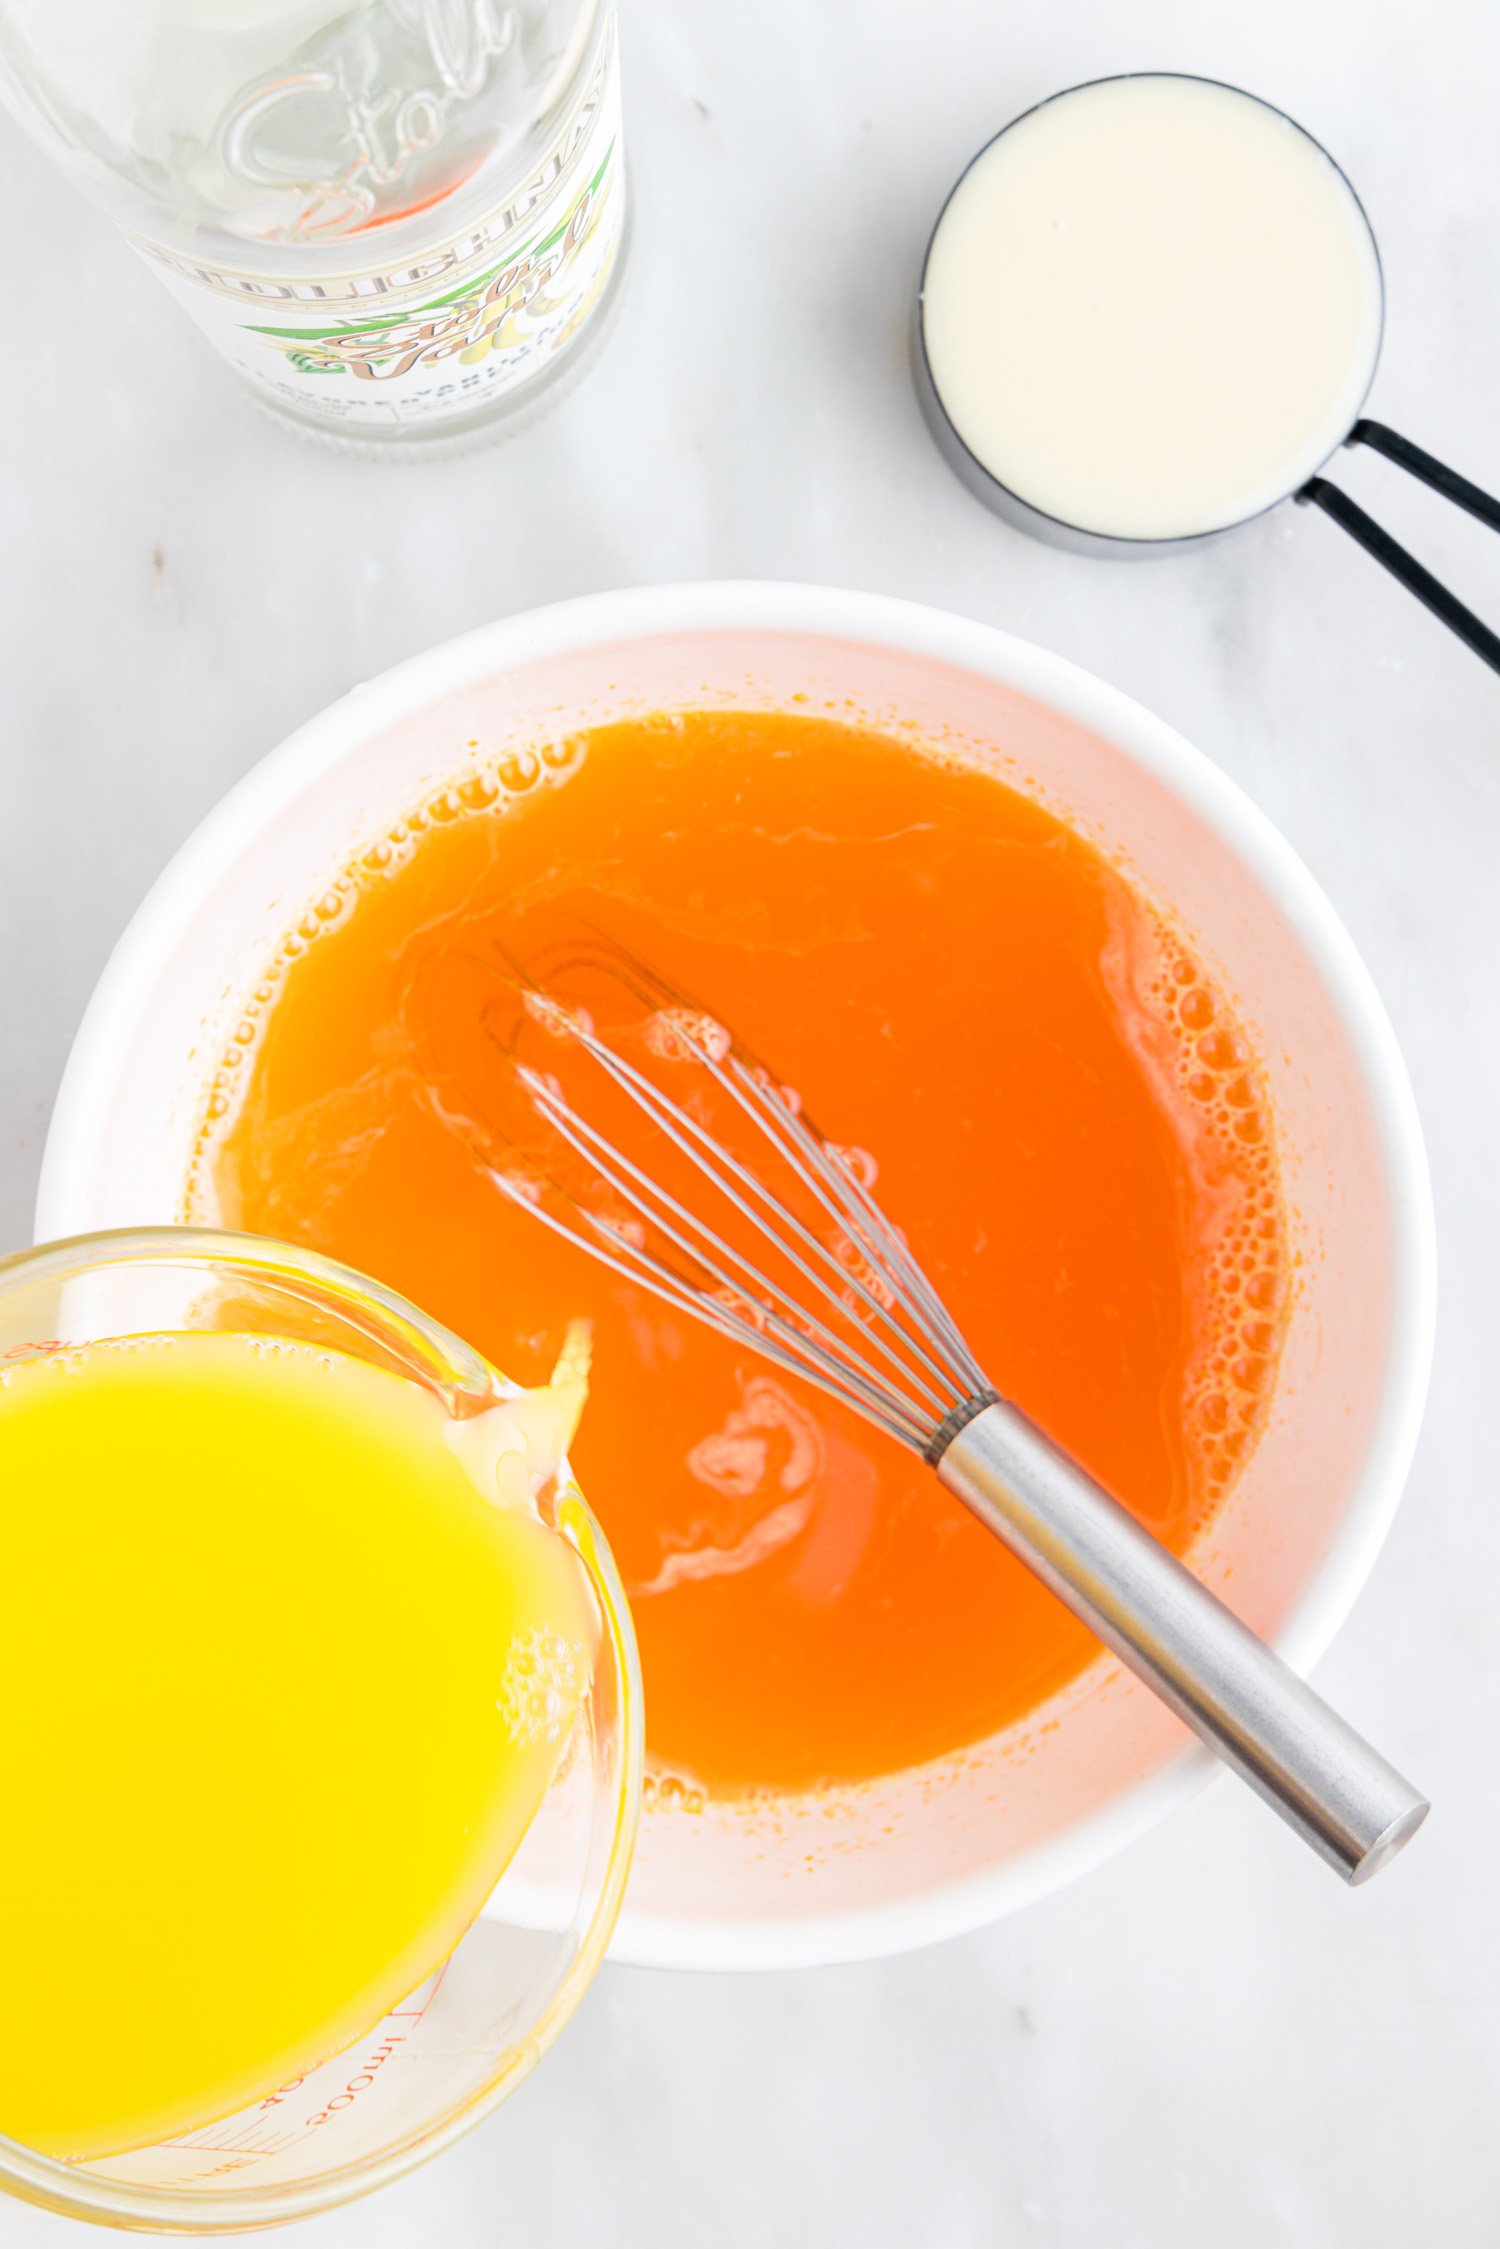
(1319, 493)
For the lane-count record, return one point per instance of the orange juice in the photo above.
(1068, 1125)
(286, 1671)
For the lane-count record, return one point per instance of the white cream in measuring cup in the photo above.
(1152, 308)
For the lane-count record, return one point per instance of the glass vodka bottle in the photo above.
(398, 220)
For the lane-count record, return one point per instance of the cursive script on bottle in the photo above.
(373, 133)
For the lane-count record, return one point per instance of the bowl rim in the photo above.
(820, 612)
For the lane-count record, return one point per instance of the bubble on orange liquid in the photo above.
(864, 1273)
(521, 1186)
(747, 1308)
(785, 1096)
(1210, 1081)
(666, 1791)
(560, 1021)
(855, 1163)
(629, 1232)
(545, 1090)
(519, 770)
(562, 758)
(684, 1034)
(477, 793)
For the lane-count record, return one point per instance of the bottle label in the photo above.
(449, 331)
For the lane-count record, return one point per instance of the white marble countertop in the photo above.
(1208, 2042)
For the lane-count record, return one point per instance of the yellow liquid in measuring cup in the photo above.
(283, 1679)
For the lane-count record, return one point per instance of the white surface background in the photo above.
(1208, 2045)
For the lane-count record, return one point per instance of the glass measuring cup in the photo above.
(451, 2050)
(964, 446)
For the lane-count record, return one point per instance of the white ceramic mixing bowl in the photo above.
(928, 1854)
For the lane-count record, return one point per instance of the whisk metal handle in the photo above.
(1344, 1799)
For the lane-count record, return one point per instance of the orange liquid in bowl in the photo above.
(1067, 1123)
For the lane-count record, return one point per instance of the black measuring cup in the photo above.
(1313, 491)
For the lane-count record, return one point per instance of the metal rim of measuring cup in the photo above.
(73, 2191)
(1001, 498)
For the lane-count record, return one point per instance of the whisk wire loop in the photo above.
(856, 1208)
(731, 1271)
(900, 1344)
(639, 1267)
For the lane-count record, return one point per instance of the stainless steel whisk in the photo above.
(828, 1289)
